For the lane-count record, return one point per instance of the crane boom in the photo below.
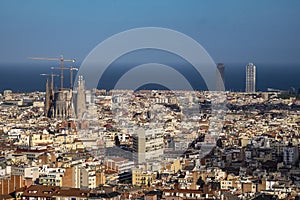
(62, 60)
(43, 58)
(58, 59)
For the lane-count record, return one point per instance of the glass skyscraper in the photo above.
(250, 77)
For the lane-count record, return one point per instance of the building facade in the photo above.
(80, 98)
(148, 145)
(250, 77)
(290, 154)
(220, 77)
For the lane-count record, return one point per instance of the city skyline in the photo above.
(223, 33)
(149, 100)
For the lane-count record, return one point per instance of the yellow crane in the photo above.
(62, 61)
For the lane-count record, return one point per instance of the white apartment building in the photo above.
(148, 145)
(26, 171)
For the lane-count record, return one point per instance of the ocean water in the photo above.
(26, 77)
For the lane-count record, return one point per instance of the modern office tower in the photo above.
(148, 145)
(220, 77)
(250, 77)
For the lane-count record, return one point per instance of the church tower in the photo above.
(80, 103)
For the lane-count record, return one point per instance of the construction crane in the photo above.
(52, 78)
(71, 73)
(62, 61)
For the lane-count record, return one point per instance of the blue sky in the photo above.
(264, 31)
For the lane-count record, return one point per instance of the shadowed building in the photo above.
(57, 103)
(8, 184)
(48, 98)
(220, 77)
(62, 104)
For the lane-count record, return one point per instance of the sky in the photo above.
(232, 31)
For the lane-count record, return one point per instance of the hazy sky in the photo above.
(265, 31)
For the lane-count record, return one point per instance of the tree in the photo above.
(117, 141)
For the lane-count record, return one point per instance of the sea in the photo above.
(26, 77)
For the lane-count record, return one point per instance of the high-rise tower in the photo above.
(220, 77)
(148, 145)
(80, 101)
(250, 77)
(47, 99)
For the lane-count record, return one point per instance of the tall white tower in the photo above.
(80, 103)
(250, 77)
